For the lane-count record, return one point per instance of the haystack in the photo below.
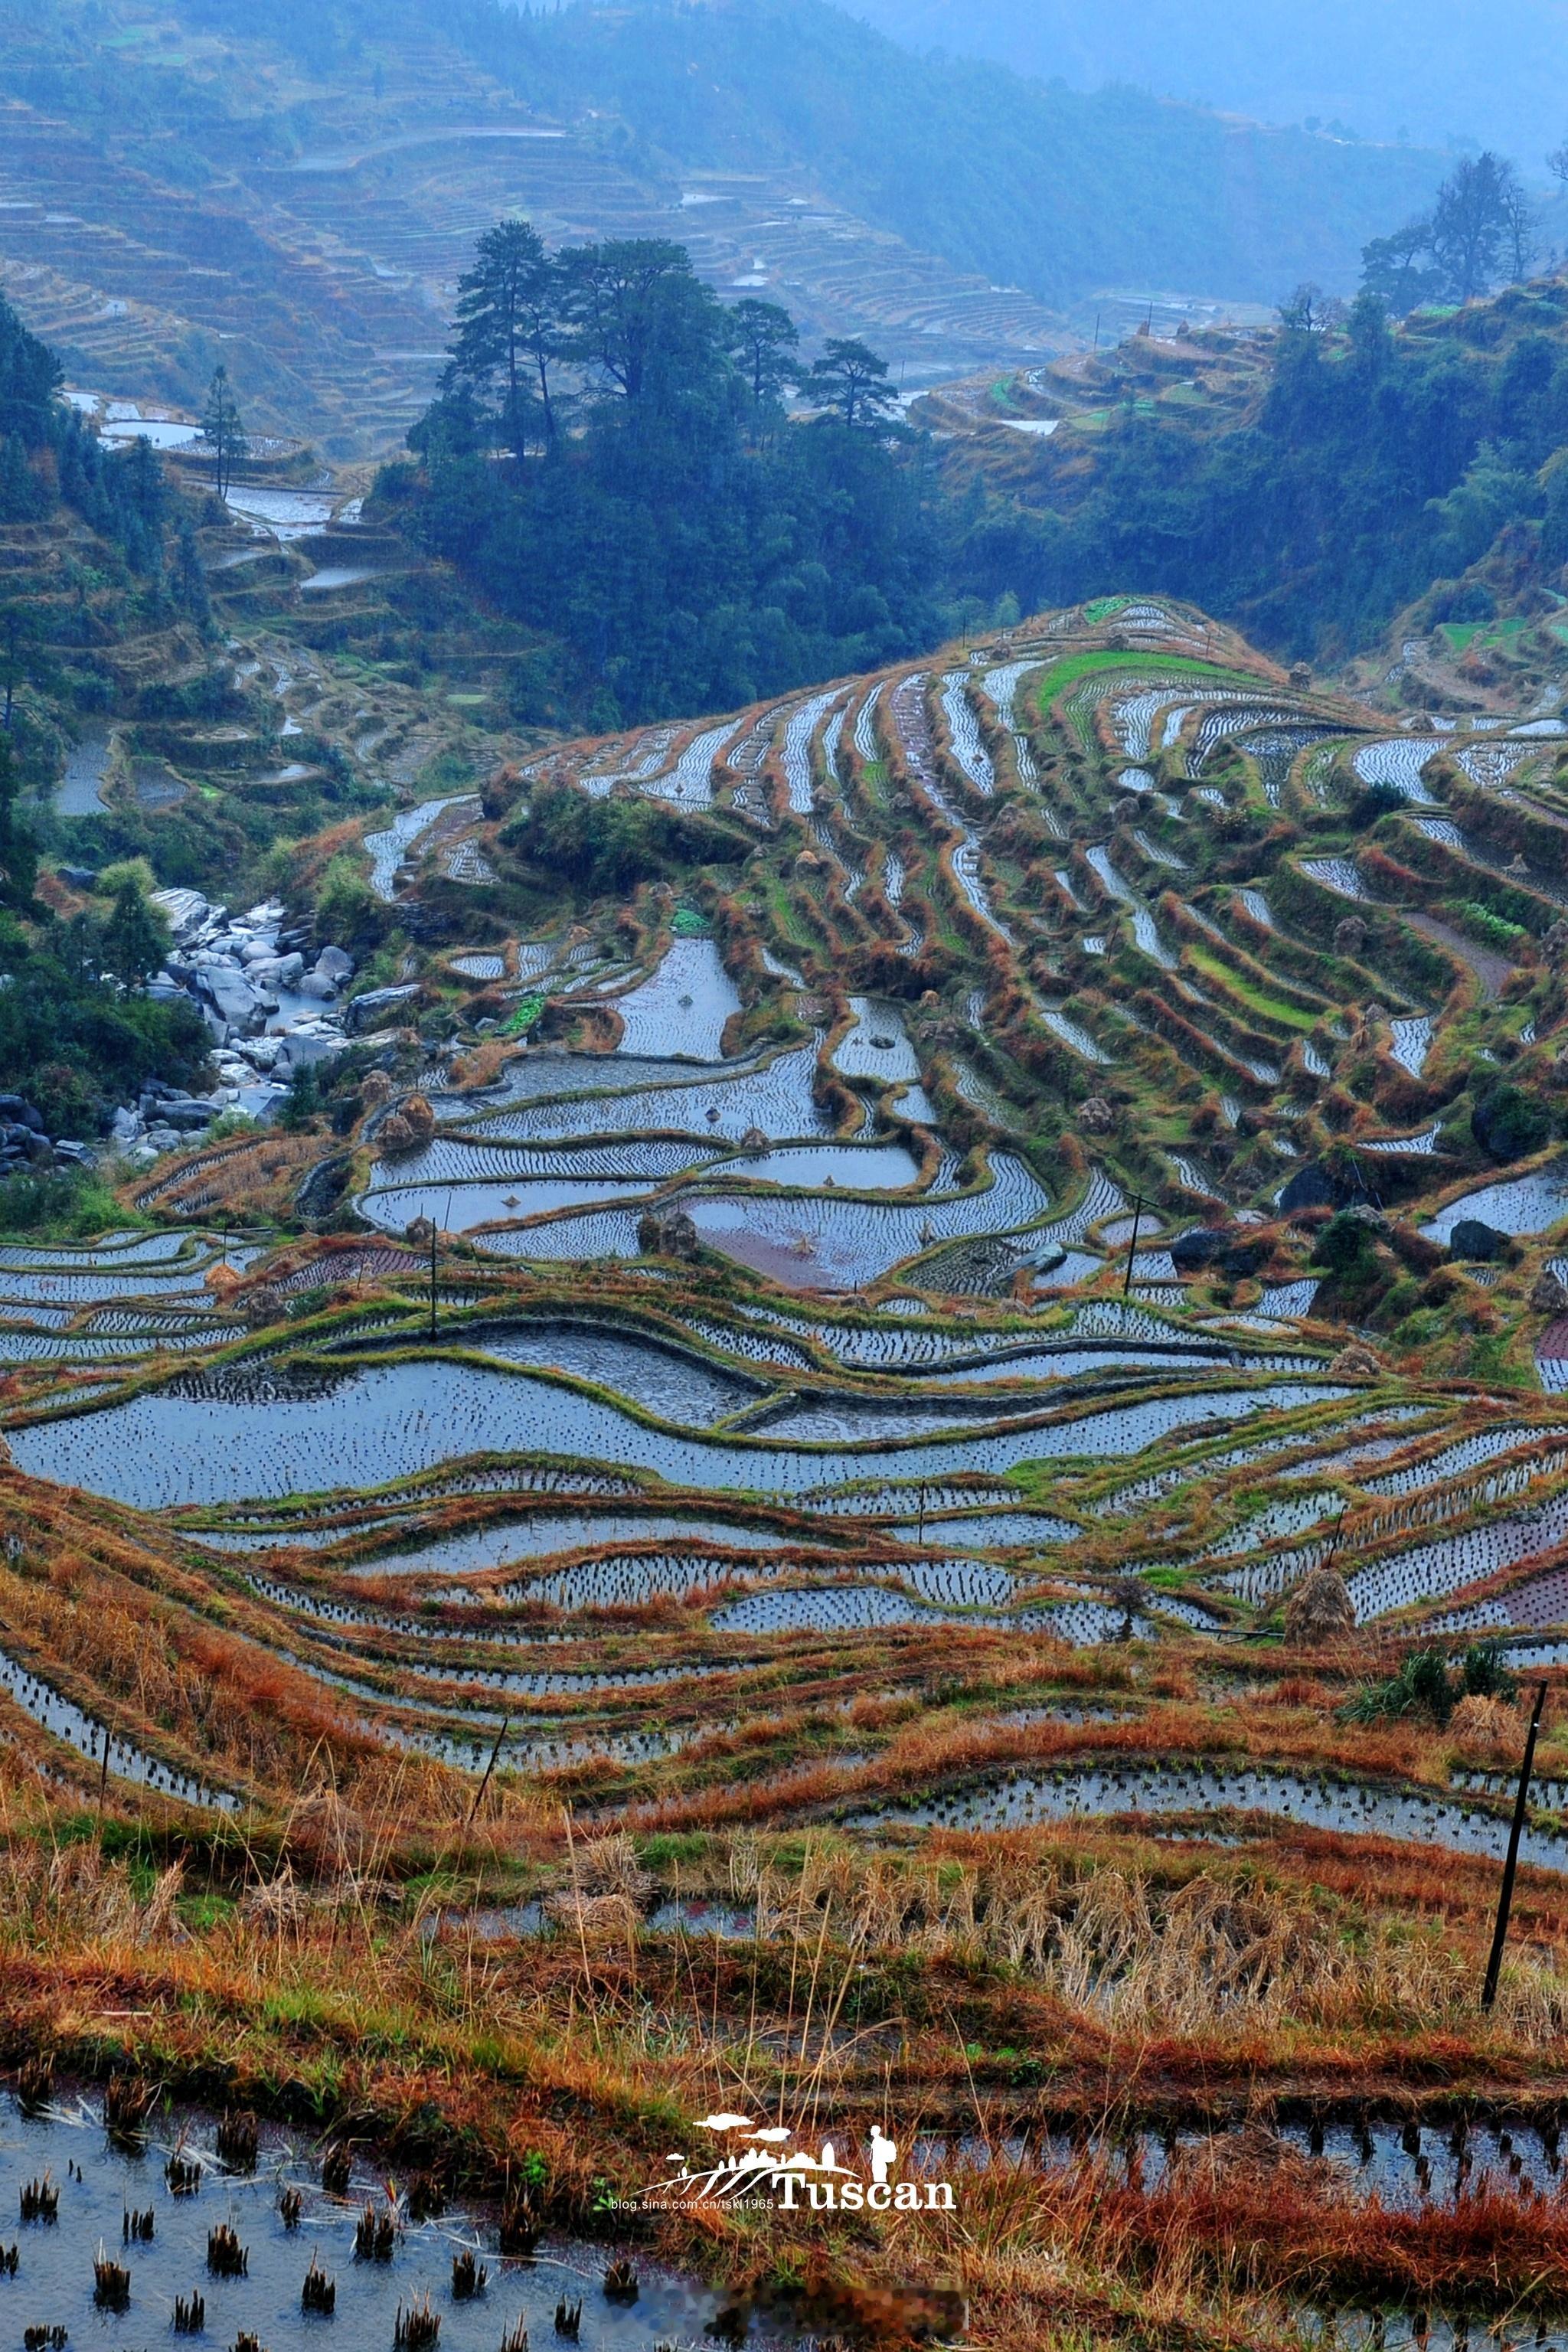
(1319, 1608)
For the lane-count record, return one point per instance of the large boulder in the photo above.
(1549, 1296)
(232, 998)
(188, 1113)
(1311, 1187)
(1472, 1241)
(185, 910)
(303, 1047)
(1226, 1249)
(379, 1005)
(666, 1233)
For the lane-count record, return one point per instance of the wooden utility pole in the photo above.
(1138, 1207)
(490, 1767)
(1505, 1898)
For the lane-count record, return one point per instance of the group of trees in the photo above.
(77, 1028)
(627, 321)
(610, 458)
(1375, 465)
(1480, 231)
(48, 454)
(76, 1025)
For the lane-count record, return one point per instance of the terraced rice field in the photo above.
(849, 1470)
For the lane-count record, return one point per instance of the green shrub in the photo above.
(523, 1015)
(1482, 1674)
(1509, 1124)
(1421, 1686)
(1496, 930)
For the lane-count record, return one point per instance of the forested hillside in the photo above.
(636, 489)
(1309, 484)
(92, 550)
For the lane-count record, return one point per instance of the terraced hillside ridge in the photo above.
(897, 1396)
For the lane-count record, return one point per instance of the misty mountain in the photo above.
(1455, 68)
(1036, 184)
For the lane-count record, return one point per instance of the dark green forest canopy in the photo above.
(71, 1036)
(1375, 468)
(695, 551)
(692, 547)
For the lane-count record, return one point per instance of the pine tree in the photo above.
(223, 429)
(850, 378)
(762, 336)
(19, 848)
(510, 326)
(1469, 221)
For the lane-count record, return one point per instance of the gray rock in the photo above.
(1311, 1187)
(188, 1115)
(379, 1005)
(318, 984)
(1234, 1253)
(232, 998)
(1473, 1242)
(336, 962)
(186, 910)
(303, 1049)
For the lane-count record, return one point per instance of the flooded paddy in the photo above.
(1350, 1808)
(680, 1011)
(547, 1096)
(539, 1536)
(878, 1045)
(1514, 1204)
(96, 1743)
(79, 792)
(201, 1445)
(387, 850)
(53, 2286)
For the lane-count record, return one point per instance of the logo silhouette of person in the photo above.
(884, 2155)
